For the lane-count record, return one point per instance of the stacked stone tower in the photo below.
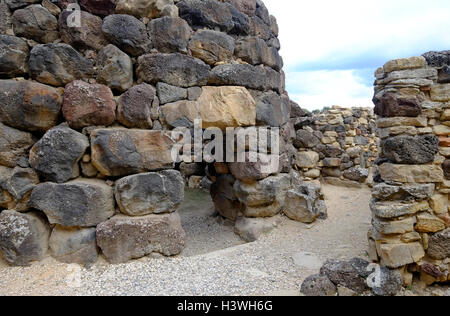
(89, 100)
(410, 200)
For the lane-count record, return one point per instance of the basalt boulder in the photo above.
(150, 193)
(123, 238)
(23, 237)
(58, 64)
(169, 34)
(14, 146)
(127, 33)
(411, 149)
(136, 106)
(114, 68)
(35, 22)
(88, 105)
(14, 54)
(212, 46)
(122, 152)
(56, 155)
(81, 202)
(174, 69)
(28, 105)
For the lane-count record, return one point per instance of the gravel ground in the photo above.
(215, 262)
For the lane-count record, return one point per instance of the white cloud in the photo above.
(316, 89)
(354, 34)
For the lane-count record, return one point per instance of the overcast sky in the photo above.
(332, 48)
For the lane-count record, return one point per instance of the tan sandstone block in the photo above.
(441, 130)
(227, 106)
(412, 173)
(429, 223)
(405, 63)
(397, 255)
(439, 204)
(440, 93)
(420, 121)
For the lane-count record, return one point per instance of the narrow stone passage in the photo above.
(215, 262)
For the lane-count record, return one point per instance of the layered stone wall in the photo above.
(87, 114)
(337, 144)
(410, 196)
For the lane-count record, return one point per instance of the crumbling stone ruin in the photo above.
(338, 145)
(90, 101)
(410, 226)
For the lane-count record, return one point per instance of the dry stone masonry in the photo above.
(336, 144)
(410, 207)
(87, 114)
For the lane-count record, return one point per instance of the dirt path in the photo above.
(215, 262)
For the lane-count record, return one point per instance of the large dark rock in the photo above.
(74, 245)
(438, 59)
(16, 4)
(114, 68)
(329, 151)
(247, 7)
(150, 193)
(88, 36)
(305, 139)
(344, 273)
(413, 150)
(56, 155)
(386, 192)
(212, 46)
(14, 146)
(258, 78)
(99, 7)
(82, 202)
(29, 106)
(169, 94)
(272, 109)
(439, 245)
(23, 237)
(392, 106)
(255, 51)
(88, 105)
(14, 55)
(214, 14)
(134, 107)
(318, 285)
(122, 152)
(127, 33)
(297, 111)
(123, 238)
(174, 69)
(37, 23)
(169, 35)
(58, 64)
(225, 202)
(444, 75)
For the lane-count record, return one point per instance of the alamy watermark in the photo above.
(74, 18)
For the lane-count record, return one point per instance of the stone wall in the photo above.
(87, 116)
(337, 144)
(410, 227)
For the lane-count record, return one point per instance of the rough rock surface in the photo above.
(150, 193)
(114, 68)
(211, 46)
(411, 150)
(14, 53)
(121, 152)
(123, 238)
(35, 22)
(14, 146)
(56, 155)
(23, 237)
(88, 105)
(174, 69)
(318, 285)
(81, 202)
(127, 33)
(74, 245)
(29, 106)
(169, 34)
(135, 107)
(58, 64)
